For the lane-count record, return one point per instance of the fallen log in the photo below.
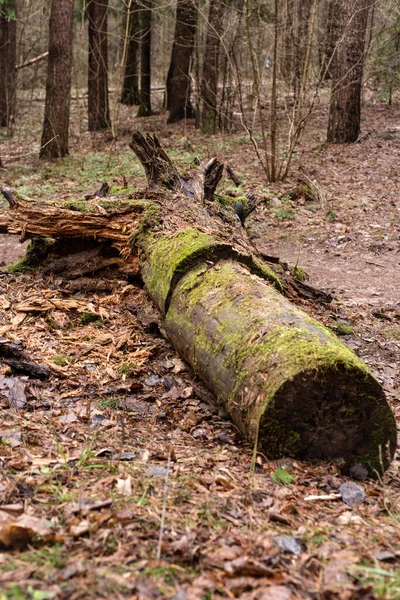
(290, 385)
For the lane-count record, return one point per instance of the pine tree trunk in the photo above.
(329, 36)
(130, 91)
(98, 106)
(58, 86)
(145, 59)
(347, 72)
(209, 87)
(178, 101)
(8, 61)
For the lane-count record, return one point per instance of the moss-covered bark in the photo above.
(287, 381)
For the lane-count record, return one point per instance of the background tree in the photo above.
(58, 85)
(178, 80)
(98, 105)
(209, 86)
(8, 58)
(347, 72)
(145, 59)
(130, 90)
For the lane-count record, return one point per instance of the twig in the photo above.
(32, 61)
(322, 497)
(164, 509)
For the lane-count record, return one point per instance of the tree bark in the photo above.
(98, 105)
(130, 91)
(145, 60)
(347, 72)
(8, 61)
(290, 385)
(178, 101)
(209, 87)
(301, 41)
(58, 85)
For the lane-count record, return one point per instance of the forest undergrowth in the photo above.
(132, 481)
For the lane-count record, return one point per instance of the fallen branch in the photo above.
(32, 61)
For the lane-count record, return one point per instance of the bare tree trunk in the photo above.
(98, 106)
(145, 59)
(303, 20)
(288, 41)
(347, 71)
(130, 91)
(329, 14)
(58, 86)
(8, 61)
(178, 80)
(209, 87)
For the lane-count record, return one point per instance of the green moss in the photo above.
(88, 317)
(36, 252)
(165, 256)
(298, 273)
(119, 189)
(149, 219)
(343, 329)
(79, 206)
(22, 196)
(62, 361)
(256, 349)
(265, 272)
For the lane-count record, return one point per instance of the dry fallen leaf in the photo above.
(124, 486)
(19, 532)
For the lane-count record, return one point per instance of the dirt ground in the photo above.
(136, 482)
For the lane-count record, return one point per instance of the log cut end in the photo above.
(333, 412)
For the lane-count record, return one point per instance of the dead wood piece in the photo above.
(12, 355)
(33, 219)
(232, 176)
(10, 349)
(308, 292)
(83, 263)
(160, 170)
(87, 285)
(28, 367)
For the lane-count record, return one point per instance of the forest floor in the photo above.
(136, 484)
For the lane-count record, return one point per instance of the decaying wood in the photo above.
(12, 355)
(290, 385)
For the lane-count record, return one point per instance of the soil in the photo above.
(144, 485)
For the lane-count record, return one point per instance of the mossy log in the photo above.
(290, 385)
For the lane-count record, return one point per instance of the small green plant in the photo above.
(331, 214)
(298, 273)
(286, 213)
(343, 329)
(311, 207)
(88, 317)
(61, 360)
(109, 402)
(127, 369)
(282, 476)
(385, 584)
